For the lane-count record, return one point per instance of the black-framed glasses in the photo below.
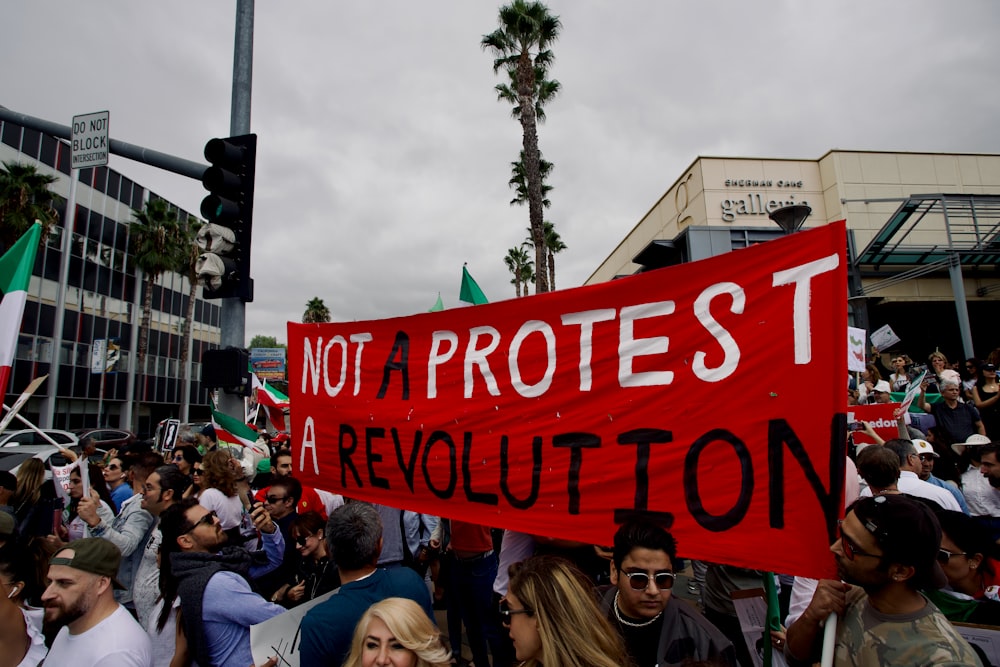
(276, 499)
(506, 612)
(113, 466)
(850, 548)
(944, 555)
(207, 520)
(639, 581)
(196, 471)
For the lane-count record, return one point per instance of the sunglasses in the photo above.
(926, 457)
(506, 612)
(639, 581)
(196, 471)
(944, 555)
(113, 466)
(301, 540)
(276, 499)
(207, 520)
(850, 548)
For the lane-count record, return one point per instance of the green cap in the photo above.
(92, 554)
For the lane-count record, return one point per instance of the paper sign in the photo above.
(856, 349)
(985, 640)
(884, 337)
(279, 636)
(706, 396)
(751, 610)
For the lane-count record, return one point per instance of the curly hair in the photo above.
(571, 628)
(409, 624)
(216, 473)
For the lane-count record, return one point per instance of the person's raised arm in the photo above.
(805, 635)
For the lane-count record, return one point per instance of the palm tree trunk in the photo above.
(147, 316)
(525, 80)
(552, 271)
(186, 345)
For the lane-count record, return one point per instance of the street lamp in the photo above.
(790, 218)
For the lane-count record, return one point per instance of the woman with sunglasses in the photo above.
(396, 632)
(117, 480)
(966, 556)
(553, 619)
(316, 573)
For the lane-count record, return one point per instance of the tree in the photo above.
(519, 264)
(553, 245)
(316, 311)
(265, 341)
(520, 48)
(24, 198)
(157, 241)
(519, 182)
(188, 253)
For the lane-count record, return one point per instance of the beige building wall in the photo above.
(740, 192)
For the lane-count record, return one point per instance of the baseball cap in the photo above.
(908, 532)
(7, 525)
(882, 386)
(924, 447)
(92, 554)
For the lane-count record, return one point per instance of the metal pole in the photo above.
(49, 412)
(234, 310)
(129, 407)
(958, 287)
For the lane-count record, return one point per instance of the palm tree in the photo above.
(157, 241)
(24, 198)
(553, 244)
(519, 183)
(519, 264)
(188, 259)
(520, 46)
(316, 312)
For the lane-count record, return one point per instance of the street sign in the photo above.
(90, 140)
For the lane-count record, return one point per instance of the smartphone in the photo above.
(856, 426)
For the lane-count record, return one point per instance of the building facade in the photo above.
(102, 302)
(923, 234)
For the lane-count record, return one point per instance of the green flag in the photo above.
(438, 305)
(470, 292)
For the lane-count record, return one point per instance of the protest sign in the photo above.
(278, 637)
(880, 416)
(708, 396)
(856, 349)
(884, 337)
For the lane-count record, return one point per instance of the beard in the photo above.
(57, 616)
(994, 481)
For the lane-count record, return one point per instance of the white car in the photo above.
(30, 437)
(11, 458)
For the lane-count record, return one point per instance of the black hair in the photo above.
(173, 524)
(284, 451)
(172, 479)
(969, 536)
(8, 480)
(642, 533)
(292, 487)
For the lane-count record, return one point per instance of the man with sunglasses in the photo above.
(657, 629)
(886, 553)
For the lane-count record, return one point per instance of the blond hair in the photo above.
(571, 628)
(409, 624)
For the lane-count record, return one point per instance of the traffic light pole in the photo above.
(233, 315)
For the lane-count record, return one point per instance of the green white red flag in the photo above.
(232, 430)
(16, 266)
(275, 403)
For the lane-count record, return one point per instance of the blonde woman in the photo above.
(397, 632)
(553, 618)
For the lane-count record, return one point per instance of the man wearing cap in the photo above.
(80, 596)
(927, 455)
(886, 553)
(880, 393)
(909, 482)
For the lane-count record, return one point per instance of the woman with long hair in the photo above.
(869, 378)
(31, 488)
(397, 632)
(986, 397)
(967, 558)
(316, 572)
(553, 618)
(20, 626)
(899, 379)
(218, 492)
(938, 363)
(74, 527)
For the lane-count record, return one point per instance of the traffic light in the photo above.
(223, 268)
(227, 369)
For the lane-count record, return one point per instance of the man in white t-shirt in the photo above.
(80, 595)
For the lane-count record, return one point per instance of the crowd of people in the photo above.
(154, 560)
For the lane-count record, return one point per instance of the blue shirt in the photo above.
(953, 489)
(328, 628)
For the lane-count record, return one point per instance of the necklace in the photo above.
(622, 620)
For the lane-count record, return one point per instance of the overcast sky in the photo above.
(384, 156)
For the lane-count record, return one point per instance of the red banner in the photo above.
(707, 395)
(880, 416)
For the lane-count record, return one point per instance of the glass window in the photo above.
(64, 158)
(31, 142)
(12, 134)
(48, 152)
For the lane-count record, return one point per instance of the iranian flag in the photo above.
(15, 272)
(232, 430)
(275, 402)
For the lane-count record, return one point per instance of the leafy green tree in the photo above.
(265, 341)
(553, 244)
(24, 198)
(520, 46)
(519, 263)
(316, 312)
(158, 244)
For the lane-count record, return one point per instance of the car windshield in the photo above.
(10, 460)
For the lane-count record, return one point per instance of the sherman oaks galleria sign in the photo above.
(751, 201)
(674, 394)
